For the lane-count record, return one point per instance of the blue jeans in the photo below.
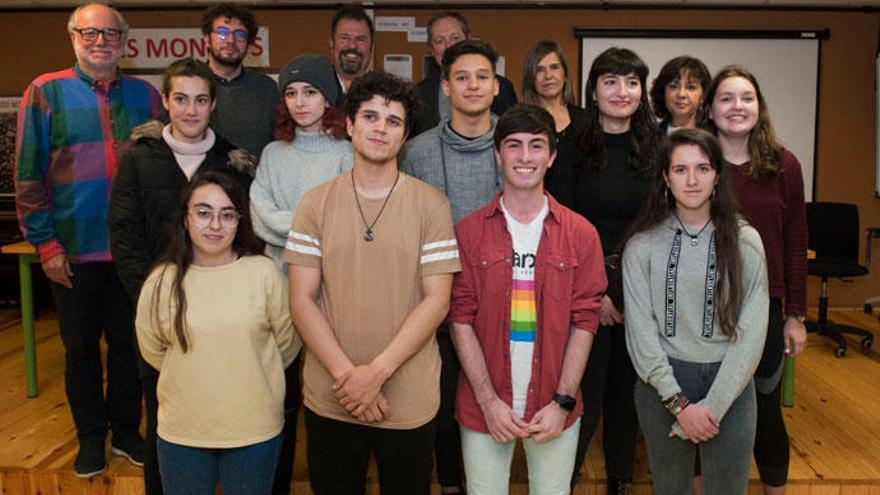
(724, 459)
(241, 471)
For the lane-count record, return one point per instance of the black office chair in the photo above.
(834, 236)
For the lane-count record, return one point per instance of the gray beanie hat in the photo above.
(313, 69)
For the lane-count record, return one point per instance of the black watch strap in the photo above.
(566, 402)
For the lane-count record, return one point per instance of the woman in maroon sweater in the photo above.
(766, 179)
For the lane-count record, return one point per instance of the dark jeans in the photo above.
(771, 439)
(447, 446)
(97, 306)
(241, 470)
(339, 452)
(292, 400)
(609, 364)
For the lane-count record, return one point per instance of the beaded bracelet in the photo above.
(676, 404)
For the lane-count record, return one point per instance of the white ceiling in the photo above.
(36, 4)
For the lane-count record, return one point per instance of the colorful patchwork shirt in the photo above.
(72, 130)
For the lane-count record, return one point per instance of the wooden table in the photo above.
(27, 254)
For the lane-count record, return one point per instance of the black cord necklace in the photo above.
(368, 233)
(693, 237)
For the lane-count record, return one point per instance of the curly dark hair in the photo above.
(388, 86)
(646, 139)
(234, 11)
(723, 211)
(467, 47)
(671, 70)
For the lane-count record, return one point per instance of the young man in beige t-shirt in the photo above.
(371, 257)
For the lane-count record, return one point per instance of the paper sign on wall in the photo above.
(399, 64)
(157, 48)
(400, 24)
(417, 35)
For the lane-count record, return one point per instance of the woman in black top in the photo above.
(618, 142)
(547, 83)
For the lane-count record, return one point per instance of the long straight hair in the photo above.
(646, 138)
(530, 68)
(723, 212)
(765, 150)
(179, 254)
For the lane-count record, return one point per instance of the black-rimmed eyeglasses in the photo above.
(223, 34)
(91, 34)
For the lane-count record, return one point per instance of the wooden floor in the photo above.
(834, 426)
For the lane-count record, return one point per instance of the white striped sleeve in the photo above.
(439, 251)
(302, 243)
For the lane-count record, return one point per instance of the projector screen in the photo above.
(786, 64)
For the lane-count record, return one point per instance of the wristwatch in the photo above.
(800, 318)
(566, 402)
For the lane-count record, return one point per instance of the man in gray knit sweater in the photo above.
(457, 157)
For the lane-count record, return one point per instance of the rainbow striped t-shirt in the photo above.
(523, 311)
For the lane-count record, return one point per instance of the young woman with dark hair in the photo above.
(618, 142)
(677, 92)
(695, 283)
(310, 149)
(767, 181)
(145, 196)
(213, 318)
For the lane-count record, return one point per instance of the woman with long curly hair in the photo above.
(767, 181)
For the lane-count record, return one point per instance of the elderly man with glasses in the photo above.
(246, 100)
(72, 129)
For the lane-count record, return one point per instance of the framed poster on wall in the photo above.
(8, 116)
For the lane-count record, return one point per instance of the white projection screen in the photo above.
(786, 64)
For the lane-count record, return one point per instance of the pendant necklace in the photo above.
(693, 237)
(368, 233)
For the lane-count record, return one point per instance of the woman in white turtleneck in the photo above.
(146, 192)
(310, 149)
